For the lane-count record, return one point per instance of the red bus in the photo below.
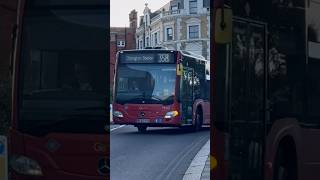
(59, 109)
(158, 88)
(266, 98)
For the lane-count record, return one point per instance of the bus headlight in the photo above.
(25, 166)
(171, 114)
(118, 114)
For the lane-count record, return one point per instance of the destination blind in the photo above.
(142, 57)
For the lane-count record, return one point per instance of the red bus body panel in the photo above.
(75, 156)
(218, 152)
(205, 106)
(154, 112)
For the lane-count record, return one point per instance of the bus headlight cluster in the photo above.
(171, 114)
(117, 114)
(25, 166)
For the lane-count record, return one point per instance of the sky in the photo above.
(120, 9)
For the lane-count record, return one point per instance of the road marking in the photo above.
(117, 128)
(198, 163)
(171, 167)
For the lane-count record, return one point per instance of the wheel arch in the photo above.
(198, 104)
(284, 133)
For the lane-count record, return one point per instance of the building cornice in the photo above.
(186, 40)
(169, 16)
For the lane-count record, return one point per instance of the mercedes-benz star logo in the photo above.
(103, 166)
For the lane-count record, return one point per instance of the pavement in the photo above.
(199, 168)
(159, 154)
(205, 174)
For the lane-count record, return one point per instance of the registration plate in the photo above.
(143, 120)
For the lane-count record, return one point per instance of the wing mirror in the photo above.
(223, 25)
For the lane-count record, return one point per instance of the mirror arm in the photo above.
(223, 23)
(13, 45)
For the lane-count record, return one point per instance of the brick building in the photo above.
(122, 38)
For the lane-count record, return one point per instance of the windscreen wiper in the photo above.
(168, 100)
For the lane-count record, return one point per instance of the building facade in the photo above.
(122, 38)
(178, 25)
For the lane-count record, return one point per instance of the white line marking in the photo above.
(198, 163)
(117, 128)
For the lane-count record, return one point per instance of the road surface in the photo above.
(158, 154)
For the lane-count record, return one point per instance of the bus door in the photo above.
(246, 92)
(186, 99)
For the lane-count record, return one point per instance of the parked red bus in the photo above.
(59, 109)
(266, 98)
(158, 88)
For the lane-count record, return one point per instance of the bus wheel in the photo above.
(285, 166)
(142, 129)
(198, 120)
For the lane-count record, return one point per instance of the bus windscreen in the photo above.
(145, 83)
(63, 69)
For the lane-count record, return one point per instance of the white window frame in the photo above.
(151, 40)
(166, 33)
(147, 41)
(156, 39)
(155, 35)
(174, 9)
(159, 37)
(121, 43)
(196, 1)
(199, 31)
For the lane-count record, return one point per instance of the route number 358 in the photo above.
(164, 58)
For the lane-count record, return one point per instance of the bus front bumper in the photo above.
(155, 122)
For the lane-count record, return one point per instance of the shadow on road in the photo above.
(168, 131)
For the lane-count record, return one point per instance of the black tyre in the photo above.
(142, 129)
(285, 166)
(198, 121)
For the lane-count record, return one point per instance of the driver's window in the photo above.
(187, 81)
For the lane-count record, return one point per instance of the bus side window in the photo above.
(186, 83)
(205, 89)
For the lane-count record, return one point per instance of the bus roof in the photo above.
(146, 50)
